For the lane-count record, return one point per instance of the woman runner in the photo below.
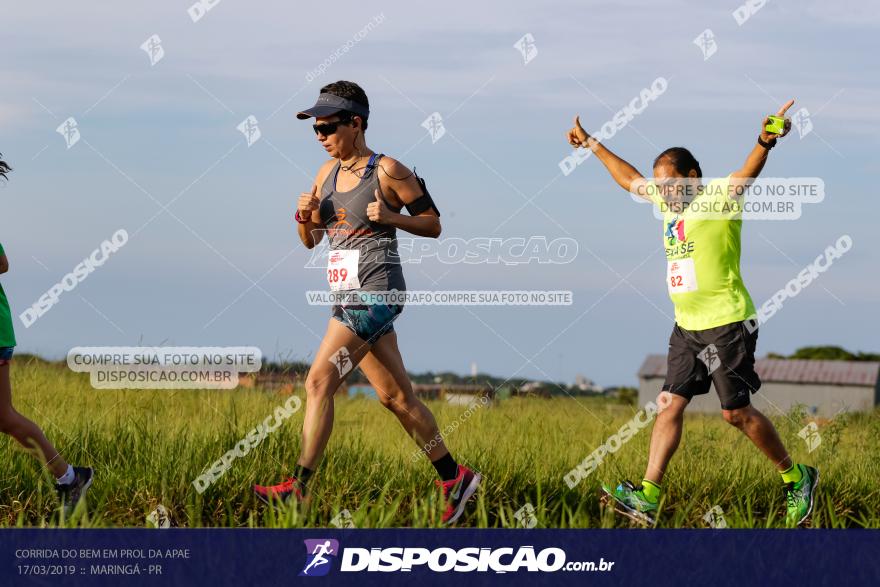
(357, 198)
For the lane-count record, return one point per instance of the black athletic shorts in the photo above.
(724, 356)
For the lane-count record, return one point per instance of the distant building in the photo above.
(284, 383)
(826, 388)
(532, 388)
(460, 394)
(586, 385)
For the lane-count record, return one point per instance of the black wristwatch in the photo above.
(766, 145)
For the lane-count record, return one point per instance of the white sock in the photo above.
(68, 477)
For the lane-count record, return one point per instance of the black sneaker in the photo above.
(71, 494)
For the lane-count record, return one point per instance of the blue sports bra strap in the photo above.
(373, 162)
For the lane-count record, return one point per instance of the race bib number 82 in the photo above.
(681, 276)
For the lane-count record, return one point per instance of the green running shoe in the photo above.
(799, 496)
(630, 501)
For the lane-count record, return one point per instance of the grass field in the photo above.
(147, 447)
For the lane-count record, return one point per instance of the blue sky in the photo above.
(156, 134)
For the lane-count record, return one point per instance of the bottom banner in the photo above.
(434, 557)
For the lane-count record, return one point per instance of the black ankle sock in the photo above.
(446, 467)
(302, 474)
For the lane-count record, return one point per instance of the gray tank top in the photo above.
(344, 214)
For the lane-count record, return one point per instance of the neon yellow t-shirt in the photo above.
(703, 246)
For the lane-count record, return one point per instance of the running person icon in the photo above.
(357, 199)
(320, 550)
(712, 307)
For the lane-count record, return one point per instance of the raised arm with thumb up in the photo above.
(308, 202)
(577, 136)
(377, 211)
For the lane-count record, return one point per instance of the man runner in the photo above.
(71, 482)
(702, 236)
(357, 198)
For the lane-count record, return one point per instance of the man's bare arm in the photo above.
(757, 157)
(626, 176)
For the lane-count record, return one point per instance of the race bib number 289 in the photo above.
(681, 276)
(342, 269)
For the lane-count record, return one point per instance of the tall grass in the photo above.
(147, 447)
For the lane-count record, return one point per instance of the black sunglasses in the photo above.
(328, 128)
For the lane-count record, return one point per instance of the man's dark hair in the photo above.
(681, 160)
(350, 91)
(4, 167)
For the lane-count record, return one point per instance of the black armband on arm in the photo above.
(423, 202)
